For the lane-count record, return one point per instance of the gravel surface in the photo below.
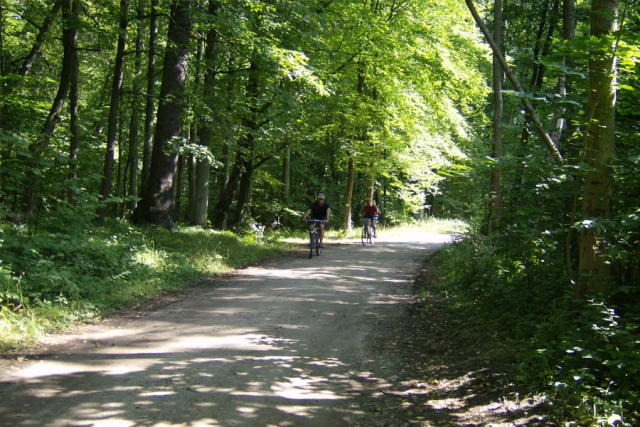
(327, 341)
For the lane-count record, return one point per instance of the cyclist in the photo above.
(370, 210)
(319, 210)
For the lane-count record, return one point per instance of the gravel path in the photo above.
(289, 343)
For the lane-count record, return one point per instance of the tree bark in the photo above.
(191, 161)
(244, 193)
(1, 44)
(286, 173)
(221, 210)
(74, 140)
(179, 188)
(247, 146)
(496, 148)
(599, 151)
(544, 10)
(112, 126)
(150, 98)
(157, 204)
(206, 130)
(118, 207)
(226, 166)
(349, 192)
(134, 125)
(37, 148)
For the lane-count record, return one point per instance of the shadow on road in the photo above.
(297, 342)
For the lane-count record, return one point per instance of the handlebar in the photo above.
(316, 221)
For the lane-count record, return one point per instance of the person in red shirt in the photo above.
(370, 210)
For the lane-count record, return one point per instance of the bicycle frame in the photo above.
(314, 242)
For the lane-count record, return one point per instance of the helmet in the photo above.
(320, 195)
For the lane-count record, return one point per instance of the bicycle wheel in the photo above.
(318, 248)
(363, 236)
(312, 242)
(371, 236)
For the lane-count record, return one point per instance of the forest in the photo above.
(133, 133)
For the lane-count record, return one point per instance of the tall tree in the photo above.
(206, 129)
(74, 140)
(286, 173)
(150, 95)
(134, 124)
(114, 105)
(158, 199)
(594, 268)
(496, 148)
(37, 147)
(348, 200)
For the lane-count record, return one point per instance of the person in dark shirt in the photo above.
(319, 210)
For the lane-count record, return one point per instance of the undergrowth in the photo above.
(584, 354)
(54, 279)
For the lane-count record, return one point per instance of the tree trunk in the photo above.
(496, 148)
(179, 187)
(119, 171)
(599, 151)
(38, 147)
(286, 170)
(2, 88)
(244, 194)
(112, 126)
(191, 160)
(206, 131)
(349, 192)
(371, 184)
(221, 210)
(37, 45)
(226, 166)
(569, 34)
(157, 204)
(1, 43)
(544, 10)
(150, 98)
(74, 139)
(247, 146)
(135, 113)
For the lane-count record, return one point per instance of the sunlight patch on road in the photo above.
(304, 389)
(205, 422)
(119, 367)
(301, 411)
(112, 422)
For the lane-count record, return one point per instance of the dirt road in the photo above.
(289, 343)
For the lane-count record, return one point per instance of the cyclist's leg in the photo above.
(320, 233)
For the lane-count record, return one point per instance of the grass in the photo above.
(52, 281)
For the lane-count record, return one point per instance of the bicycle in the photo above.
(313, 237)
(367, 227)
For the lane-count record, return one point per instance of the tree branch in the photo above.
(503, 63)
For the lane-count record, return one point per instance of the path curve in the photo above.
(283, 344)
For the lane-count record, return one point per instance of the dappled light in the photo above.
(274, 345)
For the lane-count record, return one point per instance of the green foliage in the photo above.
(584, 354)
(594, 365)
(52, 278)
